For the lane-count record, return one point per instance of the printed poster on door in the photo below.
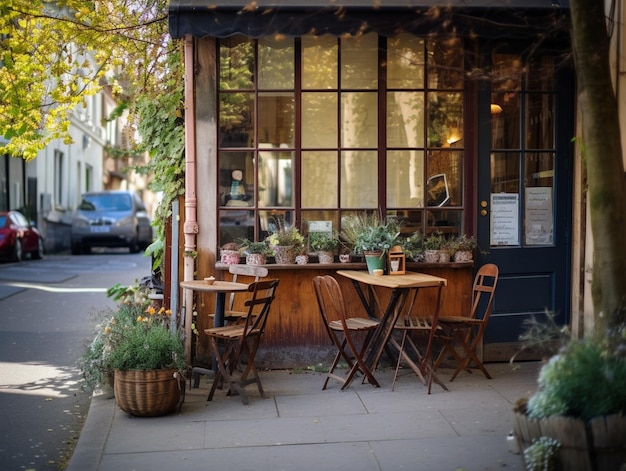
(538, 222)
(504, 219)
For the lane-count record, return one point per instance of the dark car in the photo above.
(19, 237)
(112, 218)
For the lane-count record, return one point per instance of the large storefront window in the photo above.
(319, 127)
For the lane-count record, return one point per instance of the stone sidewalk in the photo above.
(300, 427)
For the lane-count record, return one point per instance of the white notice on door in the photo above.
(538, 216)
(504, 219)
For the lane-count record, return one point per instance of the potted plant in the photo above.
(432, 246)
(323, 243)
(285, 241)
(413, 246)
(372, 237)
(136, 346)
(256, 252)
(229, 254)
(577, 416)
(463, 247)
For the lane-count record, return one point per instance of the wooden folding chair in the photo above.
(467, 332)
(235, 340)
(248, 272)
(342, 331)
(427, 328)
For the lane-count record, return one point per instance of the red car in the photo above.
(18, 236)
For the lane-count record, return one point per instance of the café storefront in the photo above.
(456, 119)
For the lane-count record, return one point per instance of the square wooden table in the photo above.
(401, 286)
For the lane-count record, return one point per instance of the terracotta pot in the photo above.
(255, 259)
(325, 256)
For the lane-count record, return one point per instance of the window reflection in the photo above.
(275, 178)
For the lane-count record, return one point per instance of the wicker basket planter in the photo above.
(148, 393)
(585, 446)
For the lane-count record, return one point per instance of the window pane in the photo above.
(405, 61)
(319, 120)
(444, 186)
(236, 225)
(505, 172)
(308, 216)
(275, 179)
(540, 75)
(540, 121)
(236, 63)
(505, 121)
(359, 179)
(445, 63)
(236, 119)
(236, 179)
(268, 219)
(359, 119)
(319, 179)
(276, 60)
(448, 223)
(319, 62)
(359, 61)
(405, 178)
(445, 119)
(276, 119)
(405, 119)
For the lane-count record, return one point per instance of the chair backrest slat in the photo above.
(244, 270)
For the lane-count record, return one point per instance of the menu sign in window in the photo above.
(538, 216)
(504, 219)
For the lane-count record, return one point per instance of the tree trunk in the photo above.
(602, 152)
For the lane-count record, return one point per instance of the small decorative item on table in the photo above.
(210, 280)
(397, 260)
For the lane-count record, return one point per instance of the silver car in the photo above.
(113, 218)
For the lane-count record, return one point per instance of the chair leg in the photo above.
(470, 355)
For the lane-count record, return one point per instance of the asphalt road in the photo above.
(48, 309)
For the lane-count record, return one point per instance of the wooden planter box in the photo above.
(597, 445)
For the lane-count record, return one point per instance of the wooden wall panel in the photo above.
(295, 337)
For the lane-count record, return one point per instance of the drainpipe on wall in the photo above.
(190, 227)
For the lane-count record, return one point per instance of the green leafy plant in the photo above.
(285, 236)
(434, 241)
(413, 245)
(367, 232)
(133, 335)
(464, 243)
(250, 247)
(323, 241)
(541, 455)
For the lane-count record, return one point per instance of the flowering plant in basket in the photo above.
(133, 336)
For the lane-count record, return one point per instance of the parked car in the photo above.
(112, 218)
(19, 237)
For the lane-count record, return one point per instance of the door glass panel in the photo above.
(359, 119)
(319, 179)
(276, 63)
(359, 179)
(405, 178)
(539, 121)
(505, 120)
(319, 120)
(319, 62)
(275, 178)
(405, 119)
(538, 199)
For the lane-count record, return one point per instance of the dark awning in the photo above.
(509, 18)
